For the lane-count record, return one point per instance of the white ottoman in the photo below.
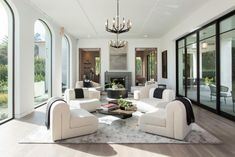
(87, 104)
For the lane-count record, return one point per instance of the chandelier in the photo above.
(118, 43)
(117, 26)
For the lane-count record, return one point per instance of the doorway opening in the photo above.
(145, 65)
(89, 64)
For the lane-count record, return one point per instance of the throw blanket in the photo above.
(48, 111)
(158, 93)
(189, 110)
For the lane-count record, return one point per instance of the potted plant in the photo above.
(124, 104)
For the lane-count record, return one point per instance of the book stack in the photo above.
(109, 107)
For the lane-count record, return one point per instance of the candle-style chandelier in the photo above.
(118, 43)
(118, 27)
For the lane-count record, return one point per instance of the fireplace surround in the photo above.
(126, 76)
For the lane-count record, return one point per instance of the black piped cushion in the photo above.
(158, 93)
(87, 83)
(79, 93)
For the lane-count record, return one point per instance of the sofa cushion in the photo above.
(157, 118)
(80, 118)
(158, 93)
(86, 103)
(150, 104)
(79, 93)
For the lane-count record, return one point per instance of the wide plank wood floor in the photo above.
(11, 132)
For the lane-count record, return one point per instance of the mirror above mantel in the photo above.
(118, 58)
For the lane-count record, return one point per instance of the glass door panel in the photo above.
(227, 75)
(207, 70)
(191, 71)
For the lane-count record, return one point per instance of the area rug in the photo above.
(115, 130)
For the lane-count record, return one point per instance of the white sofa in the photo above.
(90, 102)
(66, 123)
(97, 86)
(143, 91)
(148, 103)
(169, 122)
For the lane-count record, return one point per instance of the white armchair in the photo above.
(90, 102)
(97, 86)
(148, 103)
(169, 122)
(66, 123)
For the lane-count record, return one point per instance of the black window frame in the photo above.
(218, 79)
(13, 63)
(51, 65)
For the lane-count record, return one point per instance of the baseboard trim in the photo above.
(17, 116)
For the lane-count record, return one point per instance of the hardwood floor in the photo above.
(13, 131)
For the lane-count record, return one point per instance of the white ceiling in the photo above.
(86, 18)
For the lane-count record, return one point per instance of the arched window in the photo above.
(65, 63)
(42, 62)
(6, 62)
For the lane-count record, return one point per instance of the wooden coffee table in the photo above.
(123, 114)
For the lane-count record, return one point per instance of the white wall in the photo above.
(104, 46)
(25, 16)
(208, 12)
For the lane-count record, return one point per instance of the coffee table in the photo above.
(117, 93)
(123, 114)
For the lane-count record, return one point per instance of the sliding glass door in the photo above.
(227, 66)
(207, 67)
(191, 66)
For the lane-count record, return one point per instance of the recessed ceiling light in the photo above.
(88, 36)
(146, 36)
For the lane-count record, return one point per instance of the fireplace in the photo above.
(123, 78)
(120, 80)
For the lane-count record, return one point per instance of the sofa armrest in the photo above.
(168, 95)
(94, 94)
(95, 84)
(69, 95)
(143, 93)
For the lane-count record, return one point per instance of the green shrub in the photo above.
(209, 81)
(3, 86)
(39, 69)
(3, 99)
(3, 116)
(3, 72)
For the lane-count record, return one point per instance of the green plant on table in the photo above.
(124, 103)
